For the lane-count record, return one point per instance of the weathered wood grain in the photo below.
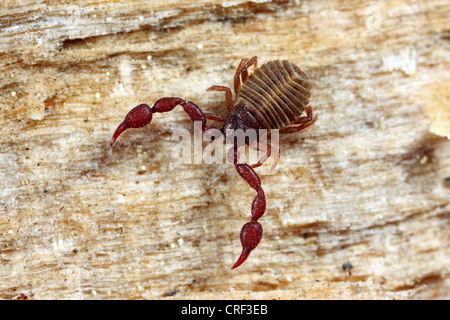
(365, 185)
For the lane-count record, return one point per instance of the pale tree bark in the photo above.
(364, 189)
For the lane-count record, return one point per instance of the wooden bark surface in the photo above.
(365, 185)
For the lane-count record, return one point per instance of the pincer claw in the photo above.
(251, 235)
(138, 117)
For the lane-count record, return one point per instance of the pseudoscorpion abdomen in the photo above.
(277, 92)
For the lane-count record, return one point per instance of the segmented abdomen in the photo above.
(277, 92)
